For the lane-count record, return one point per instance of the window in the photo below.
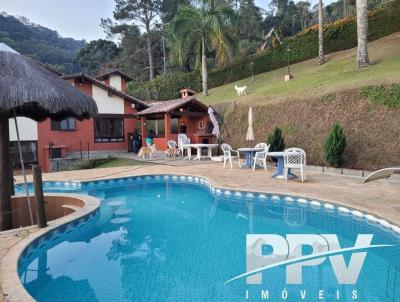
(201, 125)
(158, 126)
(174, 126)
(68, 124)
(108, 129)
(29, 153)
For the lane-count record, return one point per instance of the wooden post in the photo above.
(5, 175)
(12, 178)
(40, 204)
(144, 132)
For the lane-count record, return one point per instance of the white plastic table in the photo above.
(198, 147)
(280, 157)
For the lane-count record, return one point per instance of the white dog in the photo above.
(240, 90)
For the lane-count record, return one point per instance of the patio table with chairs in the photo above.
(249, 156)
(292, 158)
(280, 157)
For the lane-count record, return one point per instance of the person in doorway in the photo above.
(150, 138)
(136, 141)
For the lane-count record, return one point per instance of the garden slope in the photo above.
(310, 79)
(373, 130)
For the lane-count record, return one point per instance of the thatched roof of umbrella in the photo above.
(36, 92)
(29, 89)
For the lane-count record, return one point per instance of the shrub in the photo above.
(276, 140)
(334, 146)
(388, 96)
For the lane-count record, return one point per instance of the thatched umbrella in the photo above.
(29, 89)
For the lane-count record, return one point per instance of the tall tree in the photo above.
(303, 8)
(96, 55)
(250, 19)
(169, 8)
(143, 12)
(321, 59)
(199, 30)
(362, 33)
(345, 8)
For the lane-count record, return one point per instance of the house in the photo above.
(52, 143)
(108, 131)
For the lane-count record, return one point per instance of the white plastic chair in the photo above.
(227, 151)
(172, 145)
(261, 156)
(294, 158)
(182, 140)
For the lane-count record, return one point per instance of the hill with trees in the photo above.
(38, 42)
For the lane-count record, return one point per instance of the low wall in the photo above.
(53, 205)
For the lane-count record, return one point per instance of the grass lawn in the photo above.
(310, 79)
(121, 162)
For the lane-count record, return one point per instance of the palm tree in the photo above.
(200, 29)
(321, 59)
(362, 33)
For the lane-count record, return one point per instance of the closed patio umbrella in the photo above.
(29, 89)
(250, 132)
(214, 121)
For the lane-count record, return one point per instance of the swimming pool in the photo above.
(177, 238)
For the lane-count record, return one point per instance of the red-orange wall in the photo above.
(82, 136)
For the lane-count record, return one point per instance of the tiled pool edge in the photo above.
(10, 283)
(215, 188)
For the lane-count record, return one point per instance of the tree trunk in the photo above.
(5, 175)
(362, 34)
(345, 10)
(150, 51)
(204, 71)
(321, 59)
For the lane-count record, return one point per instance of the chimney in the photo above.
(187, 93)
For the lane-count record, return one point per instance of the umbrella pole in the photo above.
(23, 171)
(5, 175)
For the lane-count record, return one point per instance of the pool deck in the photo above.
(381, 198)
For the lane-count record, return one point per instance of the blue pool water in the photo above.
(165, 238)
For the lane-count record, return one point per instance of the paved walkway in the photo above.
(381, 198)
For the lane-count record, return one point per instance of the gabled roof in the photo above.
(107, 74)
(107, 88)
(170, 105)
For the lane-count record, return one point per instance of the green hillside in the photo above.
(311, 80)
(38, 42)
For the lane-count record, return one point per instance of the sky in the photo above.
(78, 19)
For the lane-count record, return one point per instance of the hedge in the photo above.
(339, 35)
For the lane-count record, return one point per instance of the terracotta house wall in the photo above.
(83, 136)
